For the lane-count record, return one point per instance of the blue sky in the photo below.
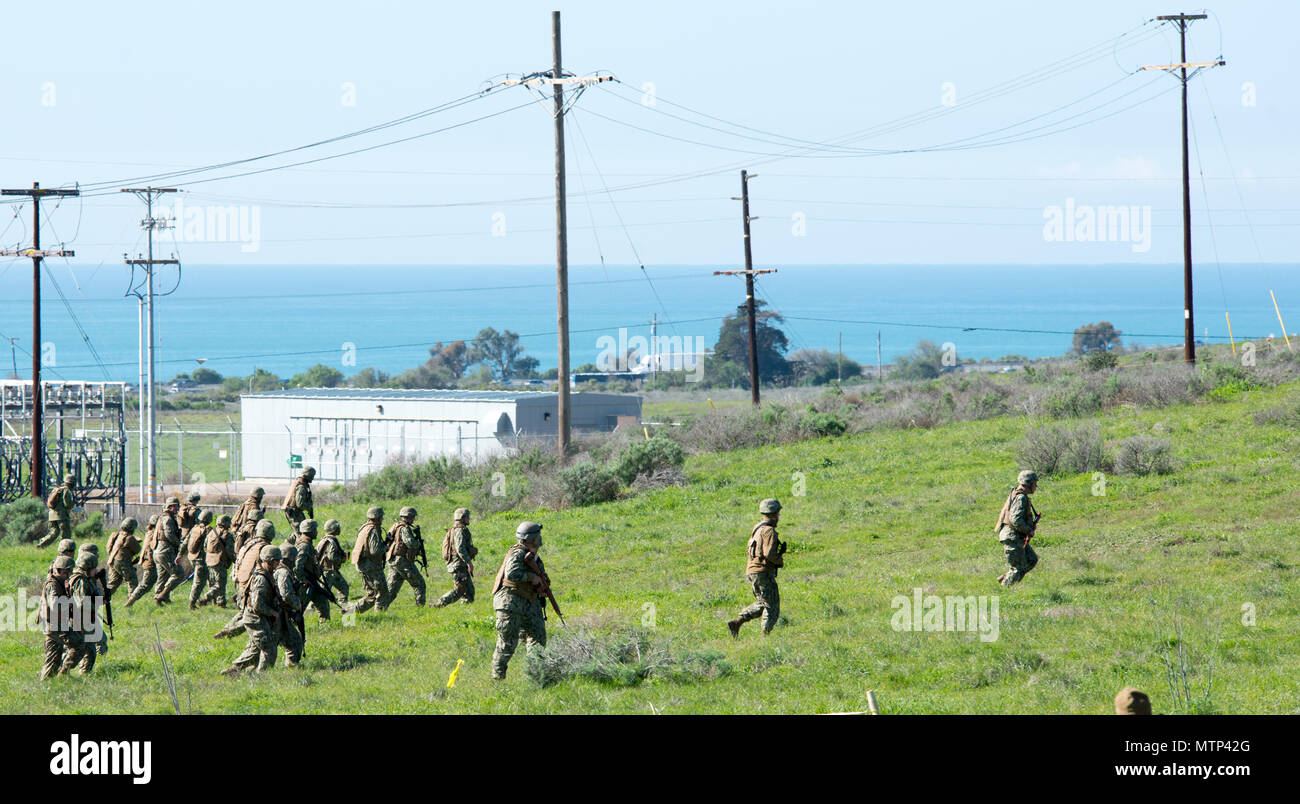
(101, 94)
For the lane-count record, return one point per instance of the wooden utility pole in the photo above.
(149, 428)
(35, 252)
(1182, 20)
(557, 80)
(749, 273)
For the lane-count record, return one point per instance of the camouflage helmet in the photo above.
(308, 473)
(265, 528)
(527, 530)
(89, 547)
(224, 521)
(290, 553)
(69, 479)
(153, 520)
(307, 527)
(1027, 478)
(258, 493)
(205, 516)
(1132, 701)
(129, 525)
(332, 526)
(374, 512)
(769, 506)
(461, 515)
(407, 512)
(172, 501)
(255, 514)
(269, 552)
(87, 561)
(67, 547)
(63, 563)
(194, 497)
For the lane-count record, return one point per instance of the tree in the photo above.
(454, 357)
(1090, 337)
(500, 351)
(733, 344)
(820, 366)
(924, 362)
(205, 376)
(318, 376)
(261, 380)
(368, 377)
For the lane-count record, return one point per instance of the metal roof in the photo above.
(380, 394)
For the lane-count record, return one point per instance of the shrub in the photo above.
(659, 478)
(1143, 455)
(1052, 450)
(824, 424)
(1073, 398)
(1100, 360)
(622, 658)
(22, 521)
(645, 457)
(589, 483)
(90, 530)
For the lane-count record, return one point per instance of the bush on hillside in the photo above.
(622, 658)
(1057, 450)
(645, 457)
(1143, 455)
(22, 521)
(588, 484)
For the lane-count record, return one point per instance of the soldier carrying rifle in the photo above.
(1016, 525)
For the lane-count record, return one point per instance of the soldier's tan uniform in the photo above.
(54, 616)
(167, 545)
(86, 631)
(148, 570)
(260, 612)
(368, 556)
(298, 504)
(218, 555)
(330, 557)
(458, 551)
(246, 563)
(517, 598)
(122, 548)
(293, 639)
(404, 545)
(1016, 524)
(195, 547)
(254, 502)
(307, 570)
(59, 520)
(764, 559)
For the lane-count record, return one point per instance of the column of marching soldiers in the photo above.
(274, 584)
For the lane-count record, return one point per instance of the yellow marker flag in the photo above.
(710, 400)
(646, 430)
(451, 680)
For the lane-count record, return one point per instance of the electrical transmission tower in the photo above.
(37, 254)
(557, 79)
(1179, 71)
(148, 417)
(749, 274)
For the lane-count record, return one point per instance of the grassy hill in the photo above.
(1152, 584)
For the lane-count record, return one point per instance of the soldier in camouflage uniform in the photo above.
(55, 621)
(458, 551)
(59, 520)
(86, 634)
(368, 557)
(260, 610)
(66, 547)
(292, 633)
(244, 531)
(188, 516)
(517, 597)
(253, 503)
(1016, 525)
(298, 503)
(405, 547)
(149, 572)
(167, 545)
(765, 554)
(123, 546)
(195, 544)
(308, 570)
(218, 555)
(246, 563)
(330, 557)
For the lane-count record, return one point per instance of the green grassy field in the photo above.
(1152, 584)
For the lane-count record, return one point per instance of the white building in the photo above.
(347, 432)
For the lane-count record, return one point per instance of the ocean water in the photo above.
(286, 318)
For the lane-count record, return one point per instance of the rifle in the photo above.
(546, 586)
(316, 587)
(424, 559)
(102, 578)
(1037, 516)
